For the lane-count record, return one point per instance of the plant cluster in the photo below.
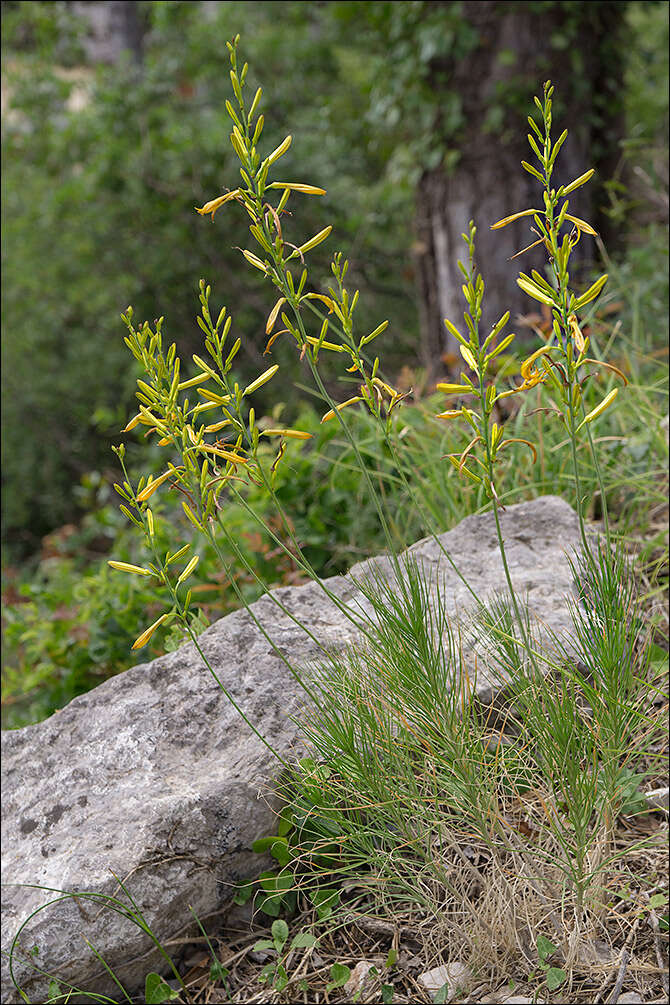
(419, 801)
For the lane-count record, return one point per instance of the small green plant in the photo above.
(554, 977)
(157, 991)
(276, 973)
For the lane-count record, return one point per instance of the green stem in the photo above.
(183, 617)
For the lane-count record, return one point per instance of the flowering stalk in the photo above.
(160, 569)
(336, 334)
(210, 470)
(278, 257)
(567, 352)
(477, 461)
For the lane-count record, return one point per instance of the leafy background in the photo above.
(101, 168)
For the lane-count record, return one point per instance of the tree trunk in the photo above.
(519, 46)
(115, 26)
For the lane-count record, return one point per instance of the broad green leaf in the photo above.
(54, 991)
(279, 934)
(263, 844)
(339, 975)
(217, 972)
(545, 948)
(441, 995)
(281, 852)
(271, 906)
(303, 940)
(555, 978)
(281, 978)
(157, 991)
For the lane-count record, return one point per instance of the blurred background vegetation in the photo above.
(413, 116)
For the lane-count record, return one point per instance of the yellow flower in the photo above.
(468, 357)
(149, 489)
(515, 216)
(291, 434)
(272, 317)
(313, 241)
(148, 632)
(263, 379)
(189, 569)
(576, 333)
(294, 186)
(280, 150)
(338, 408)
(599, 409)
(454, 388)
(527, 365)
(126, 567)
(214, 204)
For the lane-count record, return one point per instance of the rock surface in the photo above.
(154, 779)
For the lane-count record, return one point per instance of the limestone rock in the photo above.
(454, 975)
(153, 778)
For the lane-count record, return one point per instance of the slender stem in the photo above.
(501, 541)
(183, 617)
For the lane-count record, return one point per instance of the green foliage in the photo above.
(94, 164)
(554, 976)
(157, 991)
(275, 973)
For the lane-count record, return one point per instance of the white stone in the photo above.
(454, 975)
(658, 798)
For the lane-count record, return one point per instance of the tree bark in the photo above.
(115, 26)
(519, 47)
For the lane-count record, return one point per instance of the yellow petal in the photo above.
(280, 150)
(582, 224)
(272, 317)
(147, 633)
(263, 379)
(253, 260)
(214, 204)
(468, 357)
(149, 489)
(578, 182)
(126, 567)
(576, 333)
(338, 408)
(293, 186)
(227, 455)
(324, 345)
(291, 434)
(535, 292)
(136, 419)
(191, 515)
(599, 409)
(454, 388)
(317, 239)
(515, 216)
(527, 364)
(198, 379)
(188, 570)
(218, 399)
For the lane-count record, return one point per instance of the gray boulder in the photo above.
(154, 779)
